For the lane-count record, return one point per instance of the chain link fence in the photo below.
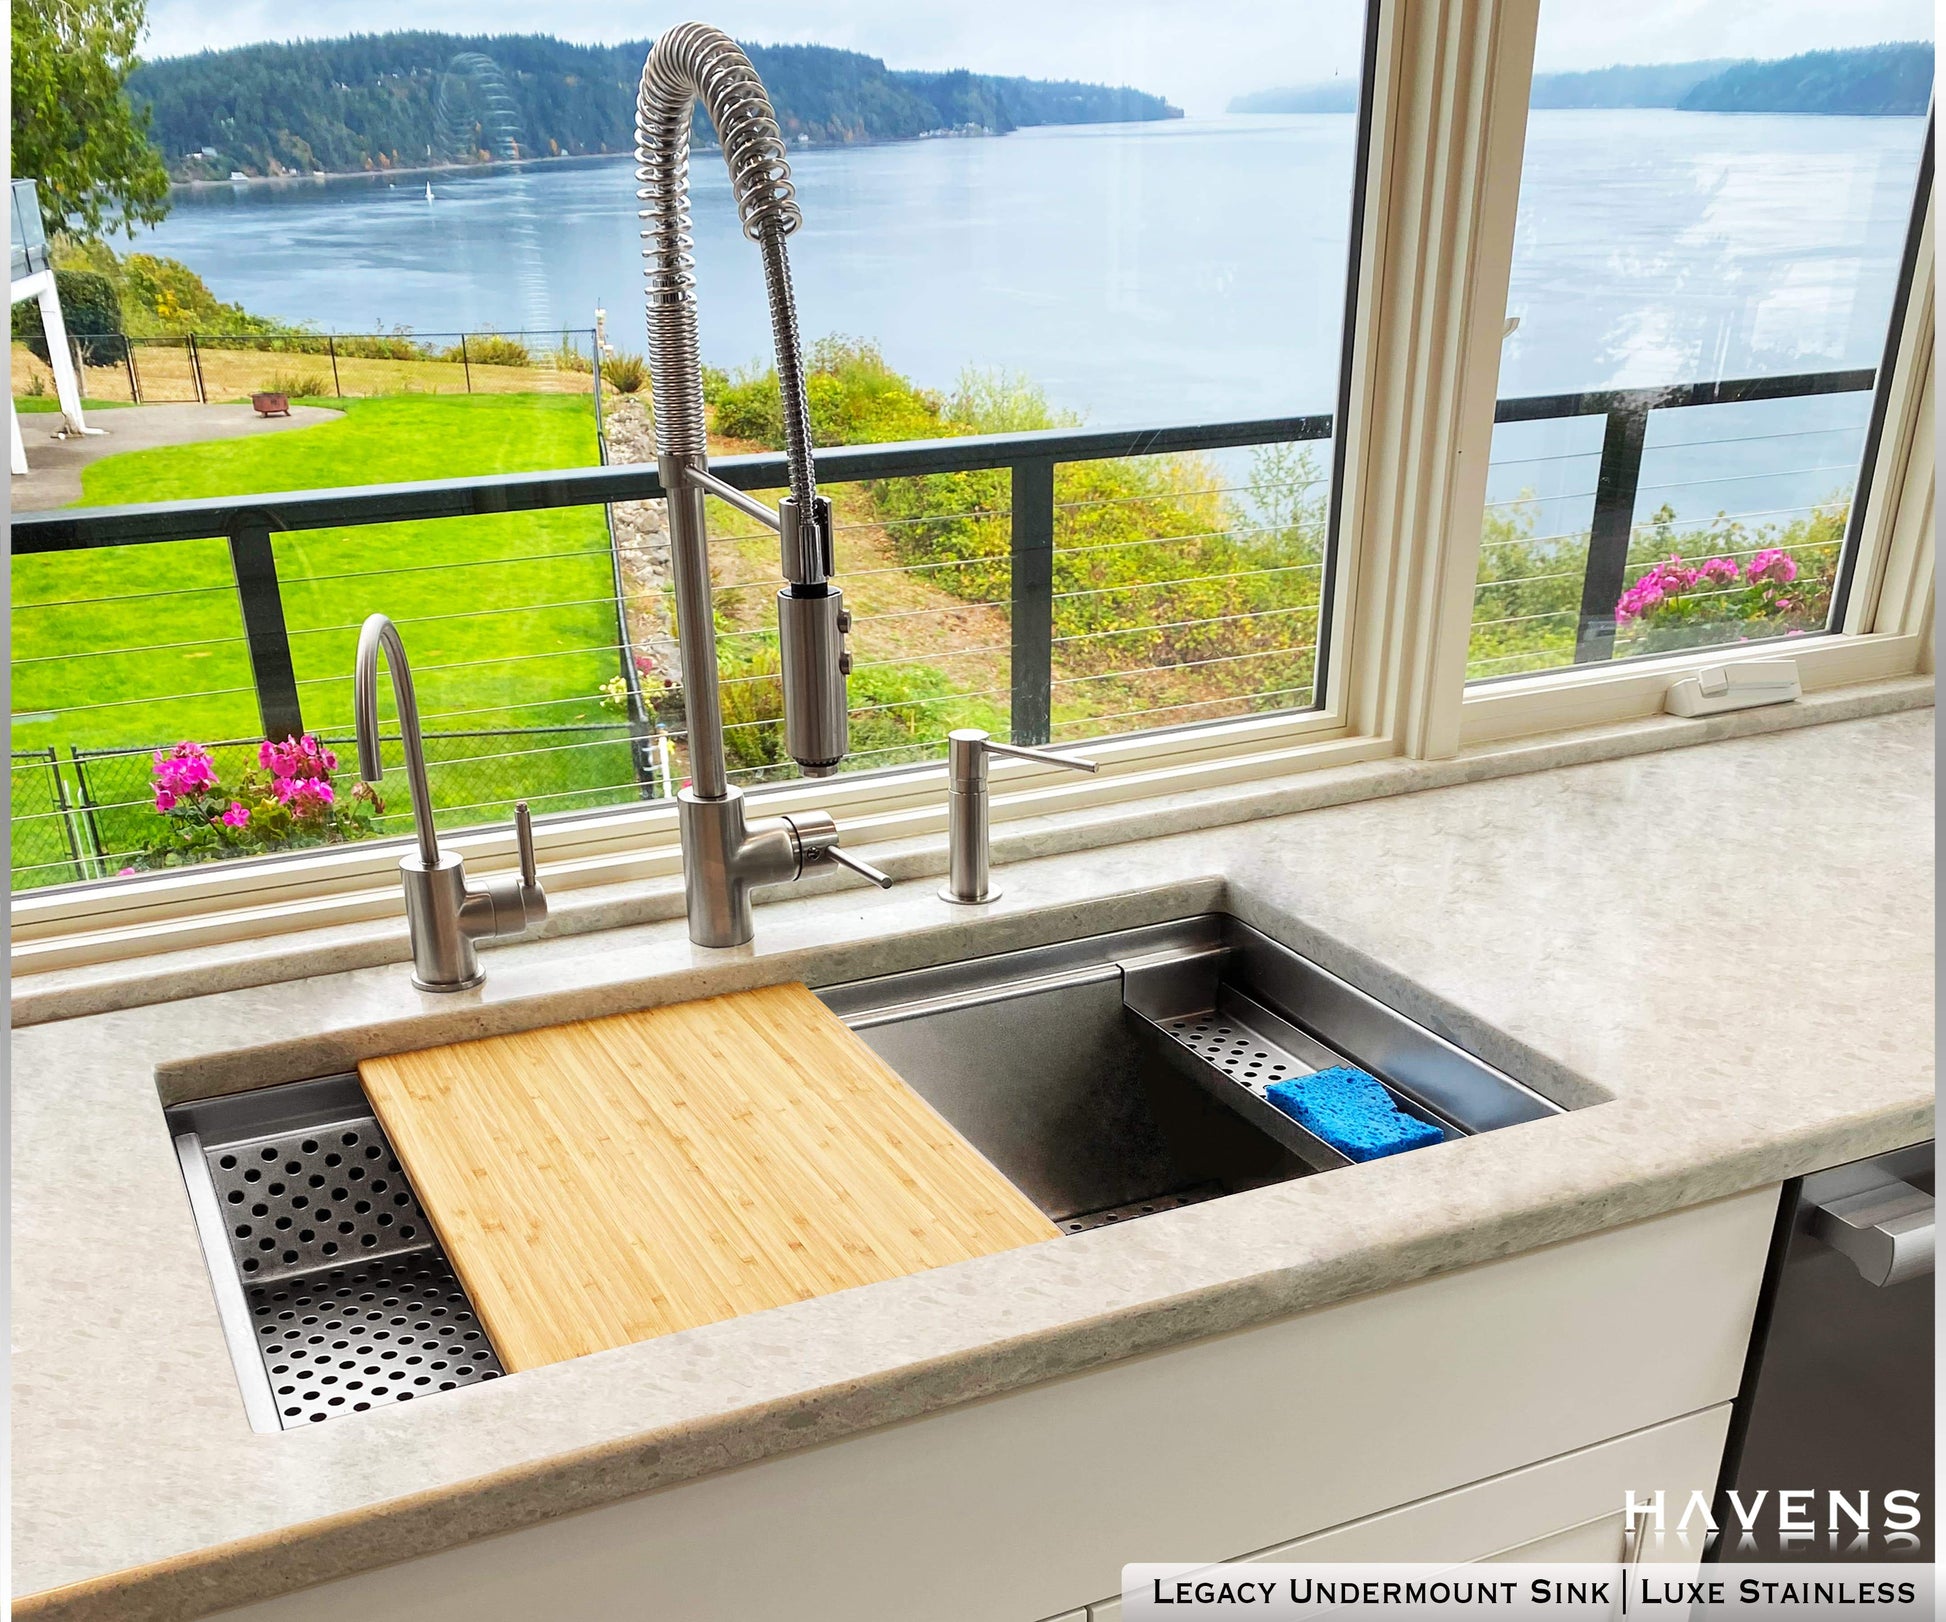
(91, 813)
(201, 368)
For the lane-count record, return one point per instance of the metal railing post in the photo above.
(128, 360)
(1032, 557)
(331, 348)
(465, 363)
(253, 560)
(1609, 532)
(196, 369)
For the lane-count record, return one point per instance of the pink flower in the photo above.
(165, 799)
(125, 873)
(184, 770)
(237, 816)
(303, 795)
(1772, 564)
(298, 758)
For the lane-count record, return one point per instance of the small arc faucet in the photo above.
(725, 854)
(446, 915)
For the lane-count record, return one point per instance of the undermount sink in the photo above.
(1121, 1075)
(1106, 1078)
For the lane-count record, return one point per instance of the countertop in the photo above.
(1724, 952)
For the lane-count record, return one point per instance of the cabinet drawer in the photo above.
(1567, 1508)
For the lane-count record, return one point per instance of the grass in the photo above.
(29, 405)
(509, 619)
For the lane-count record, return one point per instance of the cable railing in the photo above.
(1047, 606)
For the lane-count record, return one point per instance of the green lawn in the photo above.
(509, 620)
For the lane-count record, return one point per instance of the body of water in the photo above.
(1168, 272)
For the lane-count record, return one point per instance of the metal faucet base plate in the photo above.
(946, 894)
(449, 985)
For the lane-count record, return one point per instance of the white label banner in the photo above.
(1532, 1593)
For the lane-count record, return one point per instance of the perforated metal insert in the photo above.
(353, 1338)
(1140, 1208)
(322, 1197)
(1232, 1047)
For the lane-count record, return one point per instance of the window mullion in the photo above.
(1449, 133)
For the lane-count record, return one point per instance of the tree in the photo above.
(74, 129)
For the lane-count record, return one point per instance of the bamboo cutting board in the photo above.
(614, 1179)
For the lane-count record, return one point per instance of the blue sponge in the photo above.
(1352, 1112)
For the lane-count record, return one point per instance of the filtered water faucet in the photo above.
(445, 914)
(725, 855)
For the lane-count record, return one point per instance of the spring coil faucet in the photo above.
(725, 856)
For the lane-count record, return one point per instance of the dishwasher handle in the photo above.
(1886, 1230)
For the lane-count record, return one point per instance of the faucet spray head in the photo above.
(811, 627)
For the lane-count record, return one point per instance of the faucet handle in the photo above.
(817, 841)
(1046, 757)
(510, 905)
(865, 870)
(969, 748)
(524, 838)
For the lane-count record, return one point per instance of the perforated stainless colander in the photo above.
(334, 1292)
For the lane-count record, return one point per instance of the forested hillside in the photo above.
(1878, 80)
(1873, 79)
(383, 101)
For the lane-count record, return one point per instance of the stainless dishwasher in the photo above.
(1837, 1394)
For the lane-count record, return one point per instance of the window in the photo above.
(1153, 398)
(1000, 257)
(1706, 260)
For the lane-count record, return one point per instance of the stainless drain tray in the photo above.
(334, 1293)
(1121, 1075)
(1235, 1048)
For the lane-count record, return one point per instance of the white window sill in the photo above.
(73, 975)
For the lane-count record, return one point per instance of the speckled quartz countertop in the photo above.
(1725, 951)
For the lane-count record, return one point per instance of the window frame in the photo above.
(1441, 146)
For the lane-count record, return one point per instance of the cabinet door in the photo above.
(1566, 1508)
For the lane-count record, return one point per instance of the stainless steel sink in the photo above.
(1121, 1075)
(1108, 1078)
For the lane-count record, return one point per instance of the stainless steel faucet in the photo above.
(445, 914)
(968, 855)
(724, 854)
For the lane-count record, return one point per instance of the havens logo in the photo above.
(1819, 1520)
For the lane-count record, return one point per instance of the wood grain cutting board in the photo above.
(614, 1179)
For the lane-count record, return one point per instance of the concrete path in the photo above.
(53, 477)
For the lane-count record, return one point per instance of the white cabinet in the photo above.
(1027, 1505)
(1567, 1508)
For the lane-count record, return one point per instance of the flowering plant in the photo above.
(285, 801)
(1746, 587)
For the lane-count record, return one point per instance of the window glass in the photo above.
(1710, 195)
(426, 248)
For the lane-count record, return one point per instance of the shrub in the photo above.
(854, 398)
(91, 310)
(489, 349)
(567, 357)
(398, 344)
(625, 372)
(294, 384)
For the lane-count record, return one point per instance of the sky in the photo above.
(1198, 55)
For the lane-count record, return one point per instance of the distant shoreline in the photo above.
(312, 177)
